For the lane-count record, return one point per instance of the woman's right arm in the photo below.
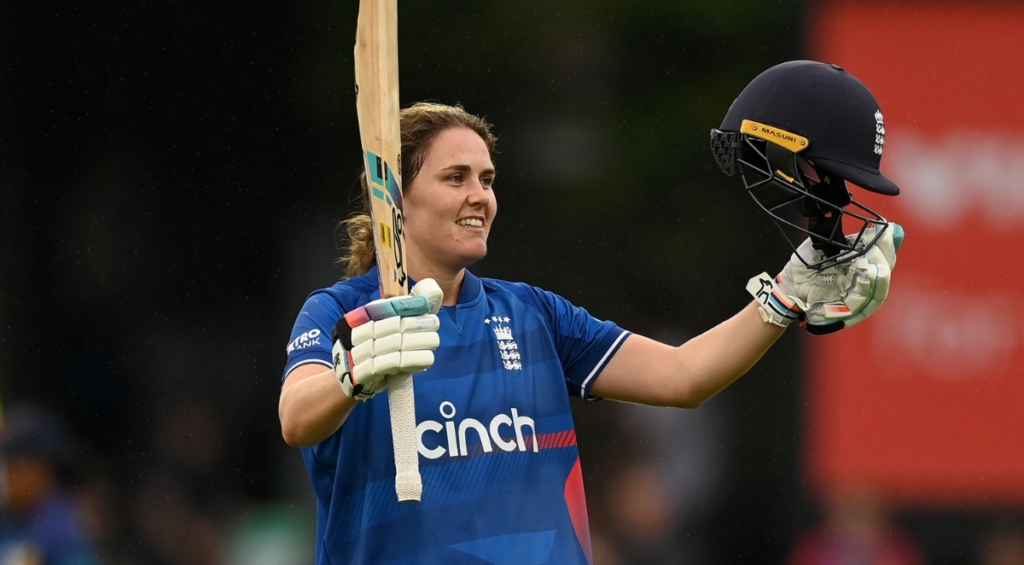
(312, 405)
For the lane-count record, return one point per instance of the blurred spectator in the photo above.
(173, 530)
(185, 495)
(190, 447)
(642, 516)
(41, 523)
(1004, 545)
(857, 531)
(654, 507)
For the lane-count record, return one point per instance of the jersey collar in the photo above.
(470, 292)
(471, 287)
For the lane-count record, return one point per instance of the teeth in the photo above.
(471, 222)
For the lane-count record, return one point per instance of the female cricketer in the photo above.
(497, 365)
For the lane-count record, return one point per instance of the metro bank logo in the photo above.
(521, 435)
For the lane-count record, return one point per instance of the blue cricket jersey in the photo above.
(501, 473)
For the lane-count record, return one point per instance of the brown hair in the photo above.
(420, 124)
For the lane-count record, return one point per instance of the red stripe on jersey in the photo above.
(576, 501)
(544, 441)
(547, 441)
(560, 439)
(553, 440)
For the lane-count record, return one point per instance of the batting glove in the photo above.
(831, 299)
(387, 337)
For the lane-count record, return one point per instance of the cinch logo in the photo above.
(312, 337)
(488, 435)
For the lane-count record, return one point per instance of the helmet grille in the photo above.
(724, 145)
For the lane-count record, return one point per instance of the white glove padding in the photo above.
(835, 298)
(387, 337)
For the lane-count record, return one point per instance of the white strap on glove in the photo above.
(835, 298)
(387, 337)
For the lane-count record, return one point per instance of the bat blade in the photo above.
(376, 58)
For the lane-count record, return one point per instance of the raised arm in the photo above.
(831, 299)
(648, 372)
(385, 337)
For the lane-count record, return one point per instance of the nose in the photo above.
(478, 194)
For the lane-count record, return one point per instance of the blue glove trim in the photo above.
(779, 304)
(897, 237)
(401, 306)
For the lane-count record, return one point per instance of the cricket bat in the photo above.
(376, 58)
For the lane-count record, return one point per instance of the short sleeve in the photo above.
(584, 343)
(310, 341)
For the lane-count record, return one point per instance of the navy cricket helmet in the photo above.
(795, 135)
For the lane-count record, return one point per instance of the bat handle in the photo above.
(402, 403)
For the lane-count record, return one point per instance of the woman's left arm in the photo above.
(648, 372)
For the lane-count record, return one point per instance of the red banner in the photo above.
(925, 401)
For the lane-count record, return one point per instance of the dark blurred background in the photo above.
(172, 176)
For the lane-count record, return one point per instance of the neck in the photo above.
(450, 282)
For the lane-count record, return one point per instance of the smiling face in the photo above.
(449, 205)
